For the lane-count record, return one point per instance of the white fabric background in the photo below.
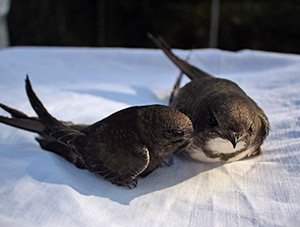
(38, 188)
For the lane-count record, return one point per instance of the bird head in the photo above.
(165, 129)
(228, 124)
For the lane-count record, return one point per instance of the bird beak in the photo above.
(233, 140)
(187, 139)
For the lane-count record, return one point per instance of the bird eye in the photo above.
(212, 120)
(179, 132)
(169, 132)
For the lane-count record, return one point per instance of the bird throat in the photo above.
(219, 145)
(218, 150)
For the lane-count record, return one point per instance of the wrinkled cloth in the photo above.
(84, 85)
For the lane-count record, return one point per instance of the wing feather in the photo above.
(121, 165)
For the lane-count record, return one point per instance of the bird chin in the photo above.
(219, 145)
(214, 147)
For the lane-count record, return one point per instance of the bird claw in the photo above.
(131, 184)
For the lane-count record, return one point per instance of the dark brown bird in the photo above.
(229, 125)
(127, 144)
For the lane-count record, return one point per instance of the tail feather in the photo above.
(21, 120)
(191, 71)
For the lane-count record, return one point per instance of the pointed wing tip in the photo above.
(2, 106)
(35, 102)
(28, 83)
(150, 35)
(13, 112)
(30, 93)
(5, 107)
(27, 80)
(158, 40)
(154, 39)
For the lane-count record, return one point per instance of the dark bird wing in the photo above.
(112, 148)
(56, 136)
(54, 129)
(97, 146)
(33, 124)
(114, 161)
(21, 120)
(176, 87)
(191, 71)
(102, 148)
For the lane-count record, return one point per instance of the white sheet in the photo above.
(38, 188)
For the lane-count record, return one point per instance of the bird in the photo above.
(228, 124)
(127, 144)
